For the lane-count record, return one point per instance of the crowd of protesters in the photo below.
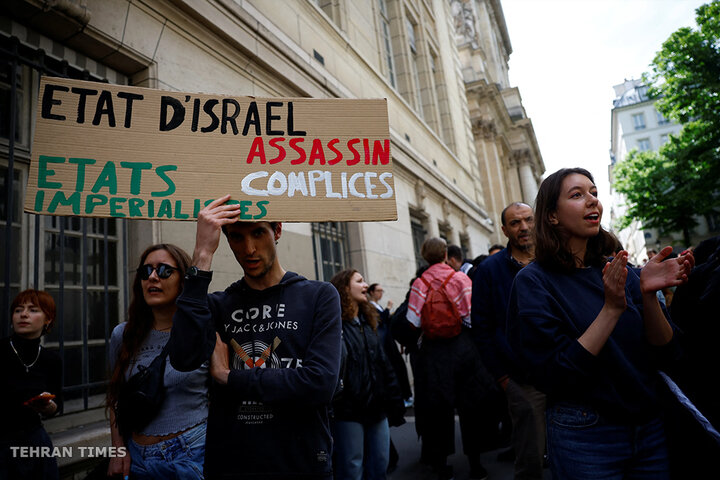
(554, 349)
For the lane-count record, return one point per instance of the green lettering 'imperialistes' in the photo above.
(263, 211)
(115, 207)
(40, 199)
(60, 199)
(244, 210)
(178, 210)
(93, 201)
(165, 209)
(134, 205)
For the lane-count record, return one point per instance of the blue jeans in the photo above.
(180, 458)
(582, 445)
(361, 449)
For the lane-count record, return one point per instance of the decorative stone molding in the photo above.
(485, 127)
(464, 21)
(420, 193)
(446, 208)
(75, 9)
(446, 228)
(521, 157)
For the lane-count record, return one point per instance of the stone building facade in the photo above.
(461, 142)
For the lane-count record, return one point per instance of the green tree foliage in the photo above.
(665, 188)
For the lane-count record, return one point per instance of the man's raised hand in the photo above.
(210, 221)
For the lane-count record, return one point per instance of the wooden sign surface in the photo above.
(104, 150)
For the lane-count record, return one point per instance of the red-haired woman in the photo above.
(31, 381)
(593, 334)
(371, 400)
(172, 445)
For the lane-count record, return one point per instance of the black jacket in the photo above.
(370, 388)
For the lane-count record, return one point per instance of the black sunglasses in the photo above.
(163, 271)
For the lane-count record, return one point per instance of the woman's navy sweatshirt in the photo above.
(271, 419)
(549, 311)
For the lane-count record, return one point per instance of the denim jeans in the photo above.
(361, 451)
(180, 458)
(582, 445)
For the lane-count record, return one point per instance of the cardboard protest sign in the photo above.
(105, 150)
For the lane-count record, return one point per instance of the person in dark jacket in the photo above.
(695, 307)
(375, 293)
(592, 335)
(371, 400)
(491, 292)
(270, 401)
(31, 381)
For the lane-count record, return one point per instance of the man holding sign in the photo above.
(274, 342)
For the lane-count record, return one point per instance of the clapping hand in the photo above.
(658, 274)
(614, 277)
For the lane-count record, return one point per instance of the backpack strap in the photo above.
(447, 279)
(452, 303)
(427, 284)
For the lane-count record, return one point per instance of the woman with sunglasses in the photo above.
(30, 378)
(592, 334)
(172, 445)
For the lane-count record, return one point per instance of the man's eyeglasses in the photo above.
(163, 271)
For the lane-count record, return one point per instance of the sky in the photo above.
(566, 57)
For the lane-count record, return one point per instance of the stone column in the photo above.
(527, 179)
(529, 185)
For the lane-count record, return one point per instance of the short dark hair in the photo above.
(496, 246)
(514, 204)
(454, 251)
(478, 260)
(372, 287)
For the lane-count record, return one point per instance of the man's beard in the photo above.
(524, 248)
(266, 268)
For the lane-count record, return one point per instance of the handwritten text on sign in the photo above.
(115, 151)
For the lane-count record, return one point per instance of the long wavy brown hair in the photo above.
(341, 282)
(140, 318)
(551, 250)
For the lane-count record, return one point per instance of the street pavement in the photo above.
(409, 467)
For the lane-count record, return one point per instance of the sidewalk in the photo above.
(409, 467)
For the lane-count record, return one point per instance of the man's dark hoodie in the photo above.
(271, 419)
